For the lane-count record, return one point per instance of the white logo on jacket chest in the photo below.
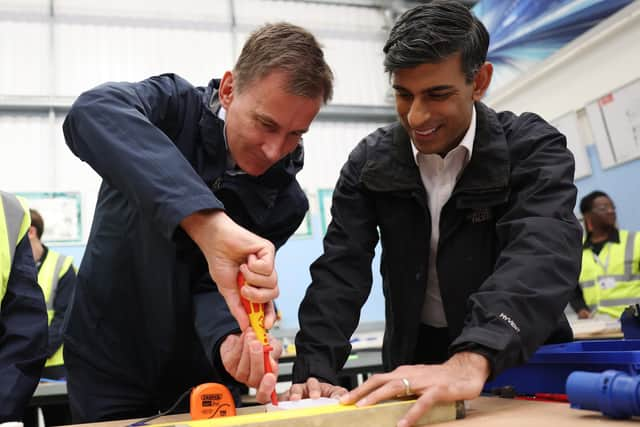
(509, 321)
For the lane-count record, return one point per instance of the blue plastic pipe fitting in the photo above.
(614, 393)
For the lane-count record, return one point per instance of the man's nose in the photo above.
(275, 148)
(418, 114)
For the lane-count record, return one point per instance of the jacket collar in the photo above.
(212, 132)
(265, 187)
(484, 181)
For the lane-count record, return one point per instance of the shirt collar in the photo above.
(466, 142)
(222, 113)
(232, 167)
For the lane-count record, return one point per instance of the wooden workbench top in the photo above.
(487, 412)
(498, 412)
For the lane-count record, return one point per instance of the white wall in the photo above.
(327, 146)
(88, 54)
(24, 58)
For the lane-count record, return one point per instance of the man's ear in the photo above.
(225, 91)
(587, 222)
(482, 80)
(32, 232)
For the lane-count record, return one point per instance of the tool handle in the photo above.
(255, 311)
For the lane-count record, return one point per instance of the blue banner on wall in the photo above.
(524, 32)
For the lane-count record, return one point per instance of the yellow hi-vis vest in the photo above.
(610, 281)
(14, 224)
(51, 271)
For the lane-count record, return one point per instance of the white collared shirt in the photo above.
(232, 167)
(439, 177)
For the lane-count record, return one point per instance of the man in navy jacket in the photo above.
(198, 184)
(474, 212)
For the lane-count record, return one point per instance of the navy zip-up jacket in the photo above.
(146, 311)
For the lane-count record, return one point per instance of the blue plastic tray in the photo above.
(547, 370)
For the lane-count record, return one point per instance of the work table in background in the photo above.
(601, 327)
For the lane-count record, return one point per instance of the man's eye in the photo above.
(440, 95)
(267, 126)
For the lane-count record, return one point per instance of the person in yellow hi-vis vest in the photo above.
(610, 275)
(23, 319)
(57, 278)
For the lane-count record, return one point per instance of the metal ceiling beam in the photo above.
(61, 105)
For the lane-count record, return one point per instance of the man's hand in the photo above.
(241, 356)
(460, 377)
(313, 389)
(230, 248)
(584, 314)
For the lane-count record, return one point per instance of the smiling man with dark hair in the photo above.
(474, 212)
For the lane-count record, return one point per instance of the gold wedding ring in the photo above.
(407, 387)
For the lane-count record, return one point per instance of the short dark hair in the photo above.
(37, 222)
(284, 46)
(586, 203)
(431, 32)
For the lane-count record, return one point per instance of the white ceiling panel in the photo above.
(309, 15)
(25, 6)
(184, 10)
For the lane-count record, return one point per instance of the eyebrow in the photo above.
(270, 122)
(266, 119)
(432, 89)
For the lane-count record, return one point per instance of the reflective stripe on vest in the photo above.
(621, 266)
(14, 224)
(51, 271)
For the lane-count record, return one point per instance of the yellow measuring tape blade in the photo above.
(441, 412)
